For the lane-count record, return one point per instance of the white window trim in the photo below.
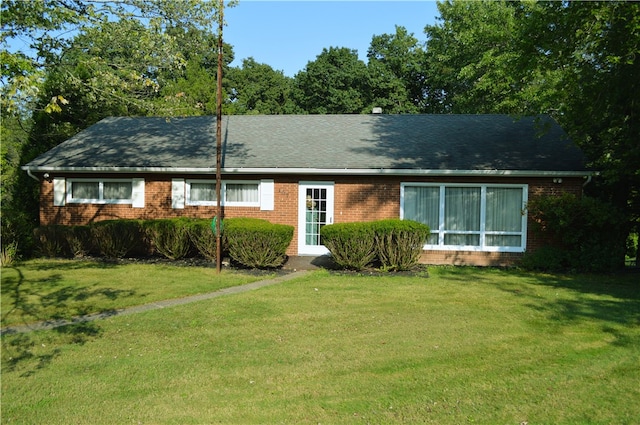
(223, 191)
(178, 189)
(482, 247)
(130, 201)
(59, 191)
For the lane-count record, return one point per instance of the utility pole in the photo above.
(219, 141)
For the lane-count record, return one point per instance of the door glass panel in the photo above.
(315, 215)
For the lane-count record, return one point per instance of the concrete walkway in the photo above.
(52, 324)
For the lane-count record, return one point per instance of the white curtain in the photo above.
(504, 214)
(242, 192)
(503, 225)
(202, 192)
(462, 214)
(85, 190)
(504, 209)
(117, 190)
(503, 240)
(422, 204)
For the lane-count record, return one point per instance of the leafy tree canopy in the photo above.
(578, 61)
(397, 72)
(256, 88)
(54, 28)
(337, 82)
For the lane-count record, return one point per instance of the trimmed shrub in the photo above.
(78, 239)
(257, 243)
(589, 233)
(169, 237)
(51, 241)
(352, 245)
(63, 241)
(117, 238)
(203, 238)
(399, 243)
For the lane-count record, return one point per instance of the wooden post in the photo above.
(219, 140)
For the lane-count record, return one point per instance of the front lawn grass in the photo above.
(41, 290)
(462, 346)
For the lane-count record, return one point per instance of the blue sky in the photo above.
(288, 34)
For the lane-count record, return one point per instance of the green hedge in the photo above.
(51, 241)
(169, 237)
(352, 245)
(63, 241)
(249, 242)
(119, 238)
(203, 238)
(256, 243)
(399, 243)
(79, 241)
(394, 244)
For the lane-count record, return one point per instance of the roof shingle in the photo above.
(324, 142)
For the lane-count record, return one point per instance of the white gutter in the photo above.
(31, 175)
(589, 177)
(309, 171)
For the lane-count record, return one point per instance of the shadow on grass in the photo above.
(28, 353)
(615, 309)
(74, 265)
(47, 300)
(611, 301)
(624, 286)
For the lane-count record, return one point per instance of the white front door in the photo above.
(315, 209)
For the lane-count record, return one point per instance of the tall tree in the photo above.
(49, 28)
(91, 59)
(256, 88)
(190, 90)
(602, 109)
(337, 82)
(471, 55)
(594, 47)
(396, 67)
(578, 61)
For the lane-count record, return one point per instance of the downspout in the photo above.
(584, 185)
(32, 176)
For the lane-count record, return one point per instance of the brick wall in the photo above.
(357, 198)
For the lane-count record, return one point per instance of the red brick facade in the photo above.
(357, 198)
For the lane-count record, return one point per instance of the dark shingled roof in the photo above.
(321, 142)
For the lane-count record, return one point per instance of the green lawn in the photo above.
(462, 346)
(60, 289)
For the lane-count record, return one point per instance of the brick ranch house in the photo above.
(468, 177)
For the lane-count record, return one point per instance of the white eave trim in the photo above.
(310, 171)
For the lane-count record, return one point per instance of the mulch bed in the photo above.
(419, 270)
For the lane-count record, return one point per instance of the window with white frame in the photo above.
(468, 217)
(100, 191)
(234, 193)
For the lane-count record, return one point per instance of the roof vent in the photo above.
(376, 110)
